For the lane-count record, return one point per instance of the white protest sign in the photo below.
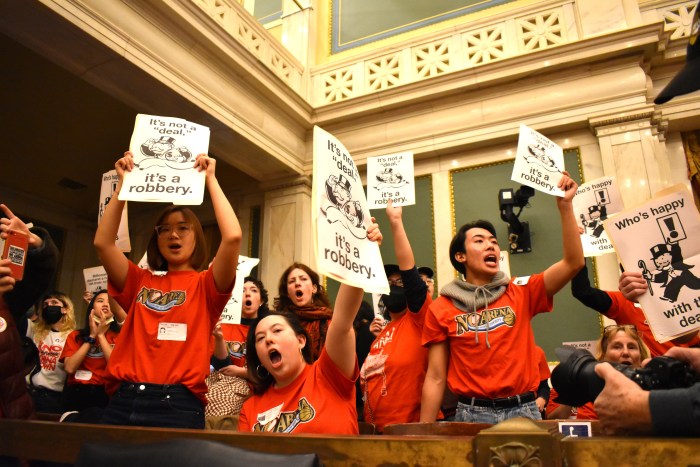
(390, 177)
(659, 239)
(95, 278)
(591, 346)
(232, 310)
(164, 150)
(538, 162)
(341, 216)
(378, 305)
(143, 263)
(594, 202)
(109, 185)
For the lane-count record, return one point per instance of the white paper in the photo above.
(659, 239)
(504, 263)
(95, 278)
(232, 310)
(109, 185)
(164, 150)
(341, 216)
(391, 177)
(539, 162)
(594, 202)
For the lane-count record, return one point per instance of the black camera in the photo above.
(577, 383)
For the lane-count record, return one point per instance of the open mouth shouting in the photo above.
(491, 260)
(275, 358)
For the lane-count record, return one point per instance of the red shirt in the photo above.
(509, 366)
(320, 400)
(393, 373)
(93, 369)
(235, 336)
(165, 339)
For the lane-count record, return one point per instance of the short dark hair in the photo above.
(457, 243)
(283, 302)
(262, 382)
(264, 309)
(157, 262)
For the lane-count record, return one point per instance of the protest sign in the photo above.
(109, 185)
(538, 162)
(164, 150)
(341, 216)
(657, 240)
(232, 310)
(143, 263)
(390, 178)
(378, 305)
(95, 279)
(594, 202)
(504, 263)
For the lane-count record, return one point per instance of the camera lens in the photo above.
(575, 379)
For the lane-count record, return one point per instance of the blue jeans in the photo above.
(143, 404)
(474, 414)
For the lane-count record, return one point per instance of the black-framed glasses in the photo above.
(182, 229)
(397, 282)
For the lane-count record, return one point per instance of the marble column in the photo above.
(633, 150)
(286, 230)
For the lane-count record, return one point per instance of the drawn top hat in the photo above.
(166, 139)
(592, 209)
(660, 249)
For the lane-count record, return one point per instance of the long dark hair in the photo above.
(85, 331)
(157, 262)
(259, 377)
(283, 302)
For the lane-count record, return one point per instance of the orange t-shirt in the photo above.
(165, 339)
(320, 400)
(509, 366)
(393, 372)
(235, 336)
(93, 369)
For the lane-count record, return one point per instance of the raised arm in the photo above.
(585, 293)
(415, 287)
(226, 259)
(111, 257)
(435, 381)
(560, 273)
(340, 339)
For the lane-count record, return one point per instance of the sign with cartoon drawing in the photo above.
(341, 216)
(232, 310)
(539, 162)
(109, 185)
(164, 150)
(390, 177)
(653, 239)
(594, 202)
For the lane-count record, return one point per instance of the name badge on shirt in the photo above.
(83, 375)
(521, 280)
(172, 332)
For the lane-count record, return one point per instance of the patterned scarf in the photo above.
(469, 297)
(315, 320)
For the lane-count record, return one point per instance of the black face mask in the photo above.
(395, 302)
(52, 314)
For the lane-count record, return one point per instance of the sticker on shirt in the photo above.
(3, 324)
(285, 422)
(521, 280)
(83, 375)
(172, 332)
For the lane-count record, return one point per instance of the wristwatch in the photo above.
(90, 340)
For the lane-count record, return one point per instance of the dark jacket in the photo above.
(40, 268)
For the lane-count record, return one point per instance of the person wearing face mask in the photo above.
(618, 344)
(56, 321)
(85, 358)
(392, 374)
(300, 292)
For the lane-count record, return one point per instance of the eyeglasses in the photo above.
(398, 282)
(617, 327)
(182, 229)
